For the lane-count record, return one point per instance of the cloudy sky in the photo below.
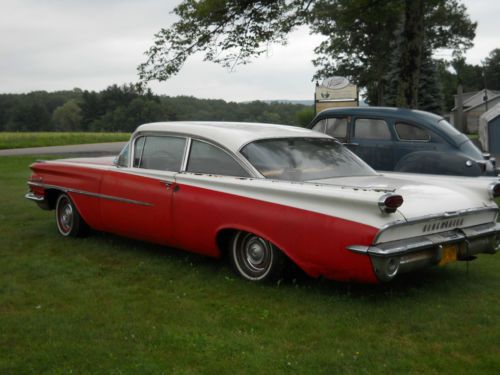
(61, 44)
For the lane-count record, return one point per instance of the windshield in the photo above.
(304, 159)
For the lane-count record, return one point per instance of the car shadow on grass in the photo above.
(435, 280)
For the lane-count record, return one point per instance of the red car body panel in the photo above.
(191, 217)
(150, 221)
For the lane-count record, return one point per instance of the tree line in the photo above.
(124, 107)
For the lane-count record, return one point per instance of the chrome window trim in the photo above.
(253, 173)
(227, 152)
(153, 134)
(434, 217)
(131, 165)
(88, 193)
(185, 157)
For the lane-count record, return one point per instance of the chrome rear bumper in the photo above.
(401, 256)
(33, 197)
(40, 200)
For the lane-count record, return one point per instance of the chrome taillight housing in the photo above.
(494, 190)
(389, 203)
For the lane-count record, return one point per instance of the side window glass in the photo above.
(320, 126)
(122, 160)
(162, 153)
(138, 147)
(371, 129)
(205, 158)
(407, 132)
(337, 127)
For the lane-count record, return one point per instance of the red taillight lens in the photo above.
(494, 190)
(389, 203)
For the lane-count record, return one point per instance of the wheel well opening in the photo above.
(51, 195)
(223, 240)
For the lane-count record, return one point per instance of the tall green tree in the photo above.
(67, 117)
(430, 86)
(492, 69)
(358, 36)
(469, 76)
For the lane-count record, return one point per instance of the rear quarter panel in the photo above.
(315, 241)
(75, 177)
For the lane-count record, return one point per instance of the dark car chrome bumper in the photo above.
(392, 258)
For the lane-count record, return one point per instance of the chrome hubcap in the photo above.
(65, 216)
(253, 255)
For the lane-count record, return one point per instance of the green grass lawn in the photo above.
(473, 136)
(110, 305)
(40, 139)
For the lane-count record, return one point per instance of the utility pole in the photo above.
(485, 97)
(459, 114)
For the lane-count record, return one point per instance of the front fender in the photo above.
(438, 162)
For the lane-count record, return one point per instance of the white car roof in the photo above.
(232, 135)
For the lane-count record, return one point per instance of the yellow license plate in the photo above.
(449, 254)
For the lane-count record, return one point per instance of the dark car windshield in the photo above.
(304, 159)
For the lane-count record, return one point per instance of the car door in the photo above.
(138, 198)
(412, 138)
(200, 206)
(372, 141)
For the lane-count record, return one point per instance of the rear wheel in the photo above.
(68, 219)
(255, 258)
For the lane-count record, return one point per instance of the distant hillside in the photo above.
(123, 108)
(284, 101)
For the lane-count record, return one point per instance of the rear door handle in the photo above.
(167, 184)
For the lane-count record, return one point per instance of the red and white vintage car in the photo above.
(263, 194)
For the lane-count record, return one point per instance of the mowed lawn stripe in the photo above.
(10, 140)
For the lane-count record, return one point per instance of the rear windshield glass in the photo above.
(304, 159)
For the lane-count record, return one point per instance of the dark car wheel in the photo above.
(68, 219)
(255, 258)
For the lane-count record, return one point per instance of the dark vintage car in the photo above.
(403, 140)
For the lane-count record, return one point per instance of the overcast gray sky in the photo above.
(61, 44)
